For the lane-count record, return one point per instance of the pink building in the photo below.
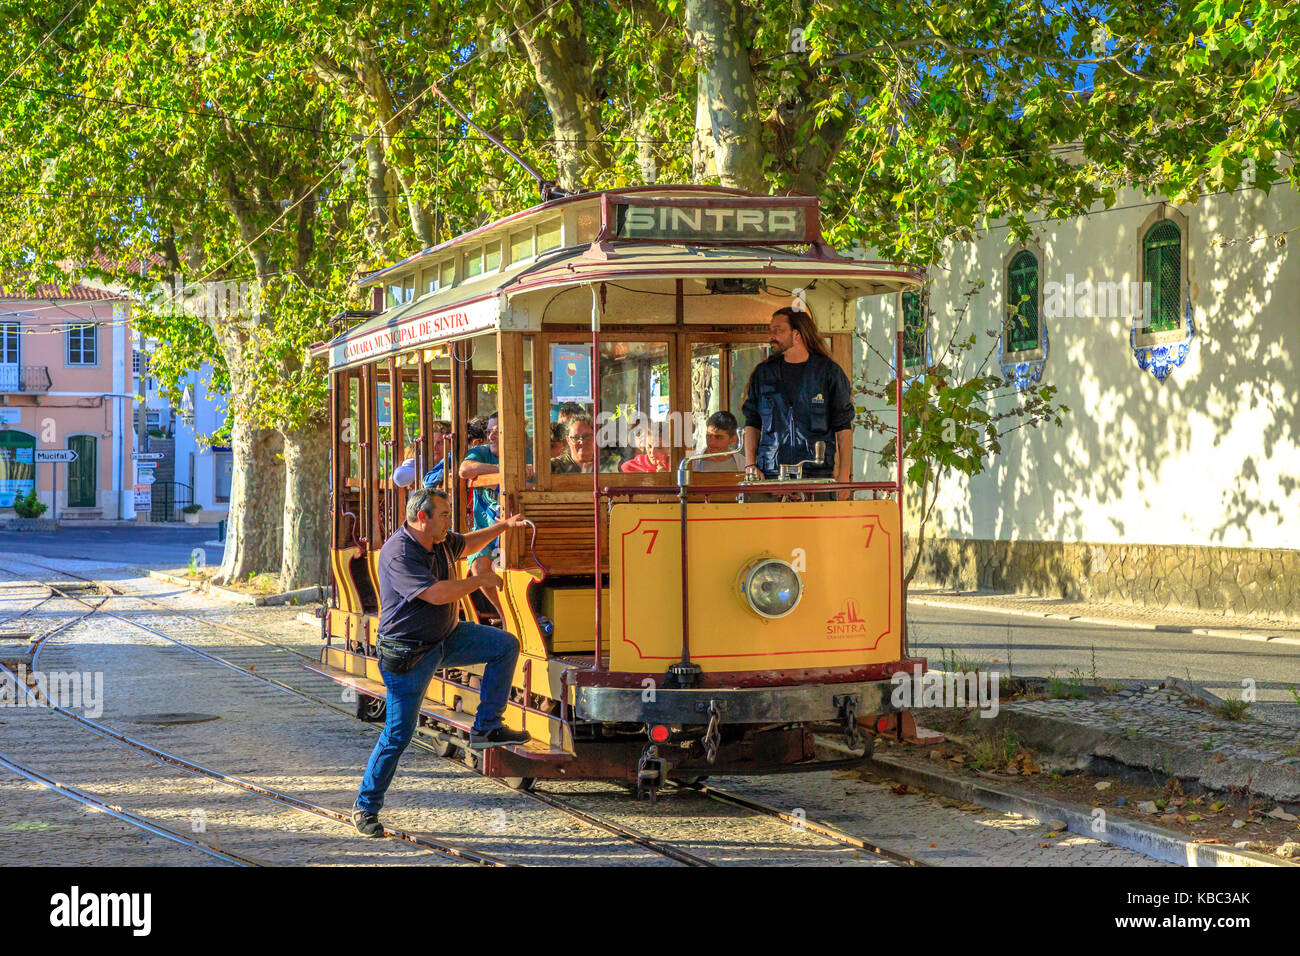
(65, 383)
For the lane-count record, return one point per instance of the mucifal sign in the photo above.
(787, 219)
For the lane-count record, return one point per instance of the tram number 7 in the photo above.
(871, 529)
(654, 533)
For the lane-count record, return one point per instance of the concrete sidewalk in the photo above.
(1111, 615)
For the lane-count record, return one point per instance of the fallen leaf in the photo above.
(1207, 840)
(900, 789)
(932, 844)
(1101, 785)
(1277, 813)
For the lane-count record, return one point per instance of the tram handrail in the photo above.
(758, 487)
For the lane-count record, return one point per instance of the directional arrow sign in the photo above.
(55, 454)
(147, 456)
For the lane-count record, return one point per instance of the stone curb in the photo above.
(1152, 841)
(313, 593)
(1083, 743)
(1127, 624)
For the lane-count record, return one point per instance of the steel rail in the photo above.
(126, 816)
(813, 826)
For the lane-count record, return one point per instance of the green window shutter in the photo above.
(1022, 303)
(1162, 261)
(913, 330)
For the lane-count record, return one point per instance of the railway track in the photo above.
(77, 795)
(292, 667)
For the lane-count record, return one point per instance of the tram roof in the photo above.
(592, 254)
(478, 306)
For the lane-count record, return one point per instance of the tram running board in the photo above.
(533, 750)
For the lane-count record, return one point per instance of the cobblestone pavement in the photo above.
(269, 737)
(1166, 715)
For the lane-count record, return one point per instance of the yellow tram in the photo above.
(644, 304)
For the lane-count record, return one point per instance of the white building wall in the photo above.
(1211, 456)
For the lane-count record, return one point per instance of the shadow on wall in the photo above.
(1153, 492)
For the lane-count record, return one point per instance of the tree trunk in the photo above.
(306, 507)
(561, 61)
(253, 530)
(727, 87)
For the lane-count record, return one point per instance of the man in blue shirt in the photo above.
(483, 461)
(419, 633)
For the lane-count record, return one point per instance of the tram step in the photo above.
(533, 750)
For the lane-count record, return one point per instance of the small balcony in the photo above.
(24, 378)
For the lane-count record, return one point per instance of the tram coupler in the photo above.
(848, 705)
(651, 773)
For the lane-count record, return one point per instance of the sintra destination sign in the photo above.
(715, 223)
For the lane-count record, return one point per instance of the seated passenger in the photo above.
(437, 454)
(720, 435)
(484, 461)
(476, 431)
(581, 455)
(404, 474)
(654, 454)
(559, 432)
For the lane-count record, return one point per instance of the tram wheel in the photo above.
(520, 783)
(470, 758)
(371, 709)
(694, 783)
(443, 748)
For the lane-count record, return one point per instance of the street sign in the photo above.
(55, 454)
(147, 456)
(145, 478)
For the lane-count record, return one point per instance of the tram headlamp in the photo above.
(771, 587)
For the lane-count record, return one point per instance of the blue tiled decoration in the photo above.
(1160, 360)
(1024, 374)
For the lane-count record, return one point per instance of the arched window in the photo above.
(17, 466)
(1162, 261)
(1022, 322)
(914, 329)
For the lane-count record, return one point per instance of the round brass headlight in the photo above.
(771, 587)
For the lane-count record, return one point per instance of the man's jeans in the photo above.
(466, 644)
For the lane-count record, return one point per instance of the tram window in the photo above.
(635, 389)
(548, 236)
(521, 245)
(706, 386)
(530, 431)
(492, 257)
(401, 292)
(446, 273)
(352, 426)
(744, 359)
(429, 281)
(473, 263)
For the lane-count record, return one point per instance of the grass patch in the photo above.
(1233, 709)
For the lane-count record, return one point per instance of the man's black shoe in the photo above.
(367, 823)
(496, 737)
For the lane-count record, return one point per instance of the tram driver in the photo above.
(419, 633)
(797, 397)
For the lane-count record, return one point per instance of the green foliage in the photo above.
(956, 413)
(29, 506)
